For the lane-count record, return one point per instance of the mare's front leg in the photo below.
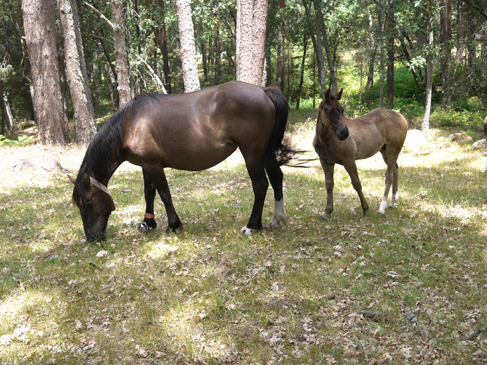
(329, 170)
(150, 193)
(157, 176)
(351, 168)
(280, 216)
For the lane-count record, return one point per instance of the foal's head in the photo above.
(94, 205)
(330, 112)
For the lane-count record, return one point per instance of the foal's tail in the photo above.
(277, 153)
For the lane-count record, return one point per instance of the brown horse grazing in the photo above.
(193, 131)
(343, 141)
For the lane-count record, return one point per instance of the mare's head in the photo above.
(95, 205)
(330, 112)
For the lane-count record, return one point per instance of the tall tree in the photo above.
(324, 34)
(165, 55)
(317, 46)
(188, 50)
(84, 114)
(390, 56)
(40, 34)
(251, 31)
(120, 53)
(381, 46)
(280, 47)
(429, 64)
(445, 38)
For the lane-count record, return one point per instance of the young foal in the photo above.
(343, 141)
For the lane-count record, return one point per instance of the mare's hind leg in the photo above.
(158, 178)
(260, 184)
(280, 216)
(391, 178)
(150, 194)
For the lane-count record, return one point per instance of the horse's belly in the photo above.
(195, 159)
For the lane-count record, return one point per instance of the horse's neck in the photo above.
(105, 166)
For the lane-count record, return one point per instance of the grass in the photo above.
(209, 295)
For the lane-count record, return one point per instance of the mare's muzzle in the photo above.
(342, 132)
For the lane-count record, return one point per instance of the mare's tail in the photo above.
(277, 153)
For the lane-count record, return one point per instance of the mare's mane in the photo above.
(107, 144)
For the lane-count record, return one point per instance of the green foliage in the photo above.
(22, 140)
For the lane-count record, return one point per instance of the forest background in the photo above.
(418, 57)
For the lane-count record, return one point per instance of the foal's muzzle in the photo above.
(342, 133)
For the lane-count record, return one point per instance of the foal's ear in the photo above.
(339, 94)
(327, 95)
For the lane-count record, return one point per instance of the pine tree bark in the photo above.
(122, 67)
(40, 34)
(251, 32)
(84, 114)
(329, 57)
(188, 50)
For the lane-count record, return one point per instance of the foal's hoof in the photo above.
(144, 228)
(170, 229)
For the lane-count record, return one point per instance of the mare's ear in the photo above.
(339, 94)
(86, 180)
(327, 95)
(72, 179)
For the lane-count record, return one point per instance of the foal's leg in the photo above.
(391, 178)
(150, 194)
(351, 168)
(280, 216)
(329, 170)
(158, 177)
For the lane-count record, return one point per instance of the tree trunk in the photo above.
(203, 52)
(188, 51)
(122, 67)
(280, 48)
(329, 57)
(318, 48)
(381, 45)
(390, 57)
(301, 79)
(460, 31)
(218, 61)
(429, 65)
(445, 38)
(40, 34)
(84, 115)
(6, 111)
(251, 31)
(165, 55)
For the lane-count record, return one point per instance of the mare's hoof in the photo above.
(144, 228)
(246, 230)
(170, 229)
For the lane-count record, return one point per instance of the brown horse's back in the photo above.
(198, 130)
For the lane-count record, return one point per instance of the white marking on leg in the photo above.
(280, 216)
(246, 230)
(394, 199)
(383, 205)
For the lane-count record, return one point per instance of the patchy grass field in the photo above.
(409, 286)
